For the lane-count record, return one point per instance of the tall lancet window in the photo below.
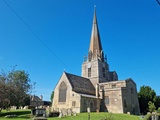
(89, 72)
(62, 92)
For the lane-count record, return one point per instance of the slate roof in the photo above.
(81, 84)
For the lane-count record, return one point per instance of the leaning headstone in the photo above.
(60, 114)
(64, 112)
(69, 112)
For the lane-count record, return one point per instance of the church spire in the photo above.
(95, 49)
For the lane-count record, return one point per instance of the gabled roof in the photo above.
(81, 84)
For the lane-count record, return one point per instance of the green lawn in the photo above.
(99, 116)
(25, 115)
(21, 114)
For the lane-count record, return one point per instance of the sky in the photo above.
(47, 37)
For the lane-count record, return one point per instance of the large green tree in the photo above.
(15, 87)
(145, 95)
(157, 103)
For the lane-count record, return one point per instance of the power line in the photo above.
(9, 6)
(158, 2)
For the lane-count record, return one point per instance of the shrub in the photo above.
(158, 111)
(151, 107)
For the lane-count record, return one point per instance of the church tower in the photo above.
(95, 66)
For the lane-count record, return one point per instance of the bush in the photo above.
(158, 111)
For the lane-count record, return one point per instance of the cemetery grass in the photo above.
(99, 116)
(20, 114)
(25, 115)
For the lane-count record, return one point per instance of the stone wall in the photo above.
(72, 98)
(130, 98)
(122, 96)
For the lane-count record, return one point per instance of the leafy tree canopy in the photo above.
(15, 87)
(145, 95)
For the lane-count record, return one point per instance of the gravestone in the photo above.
(74, 113)
(60, 114)
(39, 114)
(64, 112)
(69, 112)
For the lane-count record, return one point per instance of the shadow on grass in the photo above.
(18, 113)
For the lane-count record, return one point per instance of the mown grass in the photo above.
(99, 116)
(25, 115)
(21, 114)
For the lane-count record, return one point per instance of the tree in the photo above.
(157, 103)
(52, 95)
(15, 87)
(151, 107)
(145, 95)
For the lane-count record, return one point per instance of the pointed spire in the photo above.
(95, 42)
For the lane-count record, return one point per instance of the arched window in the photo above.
(89, 72)
(62, 92)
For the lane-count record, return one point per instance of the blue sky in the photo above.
(129, 30)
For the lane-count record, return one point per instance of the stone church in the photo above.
(98, 88)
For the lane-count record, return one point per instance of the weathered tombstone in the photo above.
(156, 117)
(60, 114)
(69, 112)
(25, 107)
(128, 113)
(74, 113)
(39, 113)
(88, 110)
(64, 112)
(153, 117)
